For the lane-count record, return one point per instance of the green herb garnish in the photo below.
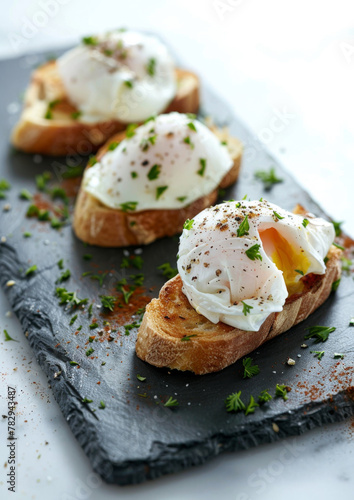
(252, 405)
(244, 227)
(31, 270)
(268, 178)
(234, 402)
(319, 333)
(253, 252)
(171, 402)
(250, 370)
(167, 270)
(160, 190)
(108, 301)
(202, 162)
(154, 172)
(318, 354)
(188, 224)
(281, 391)
(129, 206)
(264, 397)
(246, 308)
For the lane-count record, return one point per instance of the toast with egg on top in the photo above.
(97, 223)
(52, 124)
(174, 335)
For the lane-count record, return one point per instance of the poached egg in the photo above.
(166, 163)
(122, 75)
(240, 260)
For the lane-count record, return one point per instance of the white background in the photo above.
(264, 57)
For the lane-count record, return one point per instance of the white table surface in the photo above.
(264, 58)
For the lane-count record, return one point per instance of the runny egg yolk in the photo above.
(292, 261)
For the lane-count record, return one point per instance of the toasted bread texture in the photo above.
(212, 347)
(100, 225)
(64, 133)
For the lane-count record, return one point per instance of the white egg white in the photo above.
(224, 283)
(125, 76)
(169, 162)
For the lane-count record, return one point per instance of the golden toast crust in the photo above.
(63, 135)
(170, 317)
(99, 225)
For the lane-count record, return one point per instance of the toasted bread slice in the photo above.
(213, 347)
(63, 134)
(100, 225)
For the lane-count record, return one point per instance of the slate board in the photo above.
(134, 438)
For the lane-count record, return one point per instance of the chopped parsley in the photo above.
(335, 285)
(264, 397)
(138, 279)
(86, 400)
(246, 308)
(130, 132)
(244, 227)
(250, 370)
(151, 66)
(75, 115)
(319, 333)
(191, 116)
(42, 180)
(8, 338)
(134, 175)
(337, 227)
(87, 256)
(90, 40)
(113, 145)
(89, 351)
(167, 270)
(281, 391)
(277, 215)
(27, 234)
(128, 206)
(4, 185)
(171, 402)
(65, 275)
(188, 224)
(73, 363)
(49, 113)
(182, 198)
(99, 277)
(73, 319)
(25, 195)
(92, 161)
(160, 190)
(299, 271)
(234, 402)
(69, 298)
(318, 354)
(305, 222)
(186, 338)
(31, 270)
(93, 326)
(102, 405)
(253, 252)
(108, 301)
(252, 405)
(187, 140)
(338, 246)
(154, 173)
(202, 162)
(60, 264)
(191, 126)
(338, 355)
(142, 379)
(268, 178)
(128, 83)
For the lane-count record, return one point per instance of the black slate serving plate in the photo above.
(136, 438)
